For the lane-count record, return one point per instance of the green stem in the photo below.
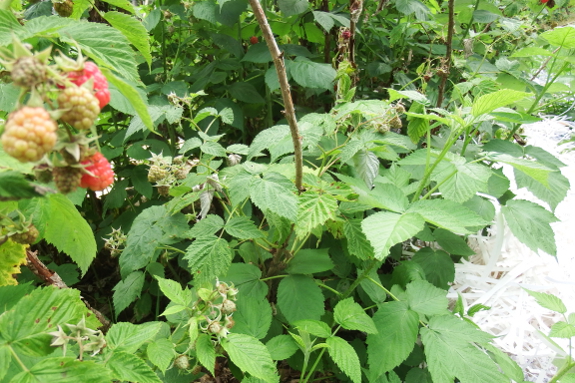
(429, 193)
(314, 366)
(360, 278)
(328, 288)
(566, 367)
(273, 277)
(464, 36)
(17, 359)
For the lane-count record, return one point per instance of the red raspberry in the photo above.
(91, 70)
(67, 178)
(29, 134)
(346, 34)
(254, 40)
(102, 173)
(83, 107)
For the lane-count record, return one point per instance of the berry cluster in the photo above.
(79, 90)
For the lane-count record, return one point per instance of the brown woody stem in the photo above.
(289, 109)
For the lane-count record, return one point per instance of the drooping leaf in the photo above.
(14, 185)
(383, 230)
(351, 316)
(127, 290)
(553, 193)
(366, 165)
(293, 7)
(310, 74)
(562, 330)
(245, 92)
(452, 243)
(300, 298)
(395, 339)
(535, 170)
(69, 232)
(251, 355)
(530, 223)
(209, 257)
(345, 357)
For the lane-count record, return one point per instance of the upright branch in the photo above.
(289, 109)
(446, 67)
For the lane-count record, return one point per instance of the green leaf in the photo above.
(133, 30)
(300, 298)
(128, 337)
(383, 230)
(562, 330)
(412, 6)
(282, 347)
(410, 95)
(259, 54)
(351, 316)
(314, 327)
(293, 7)
(8, 93)
(274, 192)
(206, 352)
(242, 228)
(448, 215)
(366, 165)
(310, 74)
(438, 266)
(253, 316)
(251, 355)
(489, 102)
(536, 233)
(26, 325)
(209, 257)
(213, 149)
(397, 332)
(450, 353)
(549, 301)
(94, 40)
(553, 193)
(128, 367)
(345, 357)
(385, 196)
(246, 92)
(568, 378)
(14, 184)
(310, 261)
(426, 299)
(64, 370)
(452, 243)
(127, 290)
(324, 19)
(563, 37)
(124, 4)
(173, 290)
(10, 295)
(357, 243)
(69, 232)
(469, 178)
(535, 170)
(314, 210)
(417, 127)
(507, 365)
(206, 10)
(207, 226)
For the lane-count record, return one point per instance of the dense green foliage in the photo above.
(205, 255)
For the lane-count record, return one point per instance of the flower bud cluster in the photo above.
(87, 339)
(116, 242)
(166, 171)
(220, 306)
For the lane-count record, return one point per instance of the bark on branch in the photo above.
(289, 109)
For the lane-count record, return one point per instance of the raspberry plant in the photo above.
(294, 202)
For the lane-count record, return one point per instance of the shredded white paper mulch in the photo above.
(502, 265)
